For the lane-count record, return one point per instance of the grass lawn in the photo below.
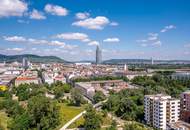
(68, 112)
(3, 120)
(1, 99)
(80, 121)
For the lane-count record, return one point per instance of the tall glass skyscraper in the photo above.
(25, 63)
(98, 55)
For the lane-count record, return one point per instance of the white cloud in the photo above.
(82, 15)
(69, 47)
(74, 36)
(111, 40)
(56, 43)
(187, 45)
(15, 49)
(141, 41)
(60, 44)
(15, 39)
(157, 43)
(56, 10)
(34, 49)
(35, 14)
(167, 28)
(114, 24)
(93, 43)
(97, 23)
(152, 36)
(12, 8)
(22, 21)
(36, 41)
(152, 39)
(33, 41)
(186, 53)
(144, 44)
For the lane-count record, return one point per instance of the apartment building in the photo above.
(185, 106)
(160, 110)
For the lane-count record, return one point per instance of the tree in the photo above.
(23, 92)
(44, 113)
(134, 126)
(92, 119)
(126, 109)
(77, 97)
(21, 122)
(12, 107)
(67, 88)
(37, 90)
(58, 91)
(99, 96)
(112, 103)
(113, 126)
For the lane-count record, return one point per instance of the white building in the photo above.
(83, 64)
(86, 89)
(48, 77)
(161, 110)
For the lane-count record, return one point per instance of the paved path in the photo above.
(72, 120)
(79, 115)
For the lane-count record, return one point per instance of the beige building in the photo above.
(160, 110)
(26, 80)
(28, 77)
(115, 85)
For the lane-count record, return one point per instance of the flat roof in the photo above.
(179, 124)
(84, 84)
(107, 81)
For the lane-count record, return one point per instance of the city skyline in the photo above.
(123, 29)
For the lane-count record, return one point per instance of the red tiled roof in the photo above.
(25, 78)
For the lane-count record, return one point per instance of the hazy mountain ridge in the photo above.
(31, 57)
(144, 61)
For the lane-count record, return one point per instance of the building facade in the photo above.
(160, 110)
(185, 106)
(98, 55)
(25, 63)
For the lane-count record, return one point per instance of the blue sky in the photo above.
(71, 29)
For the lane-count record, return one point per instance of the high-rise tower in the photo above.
(25, 63)
(152, 61)
(98, 55)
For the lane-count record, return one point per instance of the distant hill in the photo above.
(145, 61)
(32, 58)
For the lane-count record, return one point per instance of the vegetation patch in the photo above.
(4, 119)
(68, 112)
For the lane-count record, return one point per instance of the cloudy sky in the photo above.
(71, 29)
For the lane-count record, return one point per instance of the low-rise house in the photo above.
(86, 89)
(28, 77)
(60, 78)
